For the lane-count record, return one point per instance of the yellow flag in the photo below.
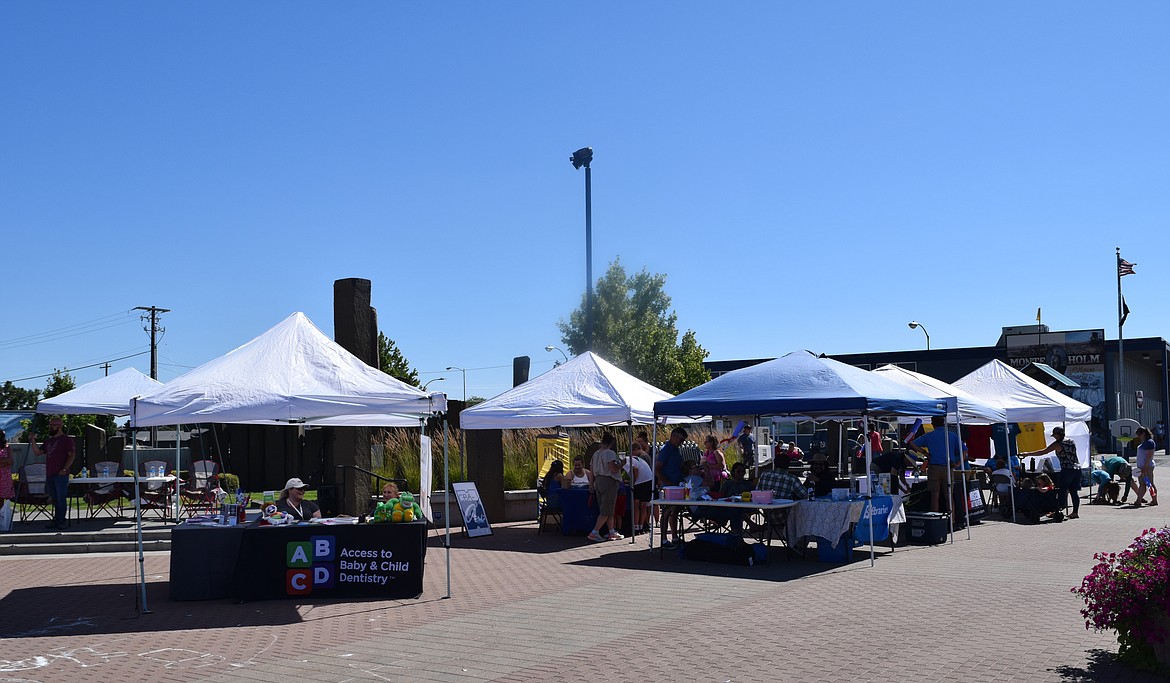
(1037, 314)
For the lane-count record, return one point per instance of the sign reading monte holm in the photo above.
(344, 561)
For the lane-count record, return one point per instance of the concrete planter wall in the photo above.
(519, 506)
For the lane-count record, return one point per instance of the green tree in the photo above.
(634, 328)
(59, 383)
(393, 363)
(13, 397)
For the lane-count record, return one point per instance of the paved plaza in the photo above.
(529, 607)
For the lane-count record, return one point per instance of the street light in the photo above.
(550, 348)
(462, 432)
(583, 157)
(914, 324)
(437, 379)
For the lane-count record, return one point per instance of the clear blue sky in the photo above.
(807, 175)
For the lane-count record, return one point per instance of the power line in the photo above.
(63, 333)
(80, 367)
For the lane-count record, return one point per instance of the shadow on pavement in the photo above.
(112, 608)
(1103, 665)
(777, 568)
(516, 537)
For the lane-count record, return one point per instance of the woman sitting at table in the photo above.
(292, 501)
(737, 484)
(553, 481)
(581, 478)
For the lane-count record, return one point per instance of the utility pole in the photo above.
(106, 366)
(154, 329)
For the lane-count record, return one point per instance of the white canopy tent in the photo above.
(587, 391)
(109, 395)
(971, 410)
(1023, 399)
(292, 374)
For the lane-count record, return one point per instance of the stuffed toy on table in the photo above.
(401, 509)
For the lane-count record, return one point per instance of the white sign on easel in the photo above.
(475, 521)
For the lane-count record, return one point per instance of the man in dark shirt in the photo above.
(668, 472)
(58, 450)
(747, 447)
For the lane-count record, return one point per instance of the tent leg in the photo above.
(653, 480)
(447, 500)
(138, 529)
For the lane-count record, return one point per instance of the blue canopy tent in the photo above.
(805, 386)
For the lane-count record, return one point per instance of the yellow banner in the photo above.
(1031, 437)
(550, 447)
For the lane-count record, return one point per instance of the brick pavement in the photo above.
(530, 607)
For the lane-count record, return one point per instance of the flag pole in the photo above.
(1120, 341)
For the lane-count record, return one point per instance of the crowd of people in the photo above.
(941, 449)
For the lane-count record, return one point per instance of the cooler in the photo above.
(926, 528)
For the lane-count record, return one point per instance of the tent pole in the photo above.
(869, 482)
(653, 476)
(1012, 491)
(178, 459)
(138, 520)
(962, 463)
(950, 475)
(447, 499)
(630, 455)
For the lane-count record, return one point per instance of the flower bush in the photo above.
(1129, 592)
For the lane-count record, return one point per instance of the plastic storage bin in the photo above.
(927, 528)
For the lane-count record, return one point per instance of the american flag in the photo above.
(1124, 267)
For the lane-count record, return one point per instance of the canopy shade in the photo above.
(971, 409)
(802, 385)
(587, 391)
(290, 374)
(109, 395)
(1022, 398)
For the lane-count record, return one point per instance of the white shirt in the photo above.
(642, 473)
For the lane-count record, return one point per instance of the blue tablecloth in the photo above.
(578, 515)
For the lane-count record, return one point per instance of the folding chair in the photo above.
(155, 495)
(1002, 502)
(32, 494)
(102, 497)
(199, 494)
(547, 507)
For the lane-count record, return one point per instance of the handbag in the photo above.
(6, 516)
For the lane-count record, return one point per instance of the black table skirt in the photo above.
(346, 561)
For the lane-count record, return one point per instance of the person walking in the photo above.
(1143, 467)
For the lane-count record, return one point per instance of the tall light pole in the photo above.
(437, 379)
(550, 348)
(462, 433)
(914, 324)
(583, 157)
